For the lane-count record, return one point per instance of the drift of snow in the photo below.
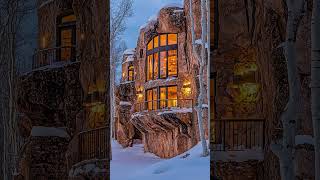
(187, 166)
(129, 52)
(41, 131)
(125, 103)
(125, 162)
(177, 110)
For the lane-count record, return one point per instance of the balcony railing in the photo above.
(165, 104)
(237, 134)
(94, 144)
(49, 56)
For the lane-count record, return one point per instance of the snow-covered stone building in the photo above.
(63, 116)
(160, 86)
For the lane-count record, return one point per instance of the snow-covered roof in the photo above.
(173, 5)
(129, 52)
(130, 58)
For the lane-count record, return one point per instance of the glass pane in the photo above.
(156, 42)
(163, 64)
(69, 18)
(149, 67)
(163, 40)
(66, 42)
(155, 99)
(172, 63)
(150, 45)
(130, 73)
(149, 99)
(172, 96)
(163, 97)
(172, 39)
(156, 68)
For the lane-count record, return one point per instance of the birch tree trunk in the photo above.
(315, 82)
(201, 59)
(289, 118)
(208, 71)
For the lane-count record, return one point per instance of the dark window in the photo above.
(141, 53)
(66, 40)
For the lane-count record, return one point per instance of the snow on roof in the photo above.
(176, 110)
(41, 131)
(130, 58)
(173, 5)
(125, 103)
(45, 3)
(129, 52)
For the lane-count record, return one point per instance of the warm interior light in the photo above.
(241, 69)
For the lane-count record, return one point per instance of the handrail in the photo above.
(48, 56)
(237, 134)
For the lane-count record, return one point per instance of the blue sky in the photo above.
(143, 10)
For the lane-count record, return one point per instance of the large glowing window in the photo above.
(162, 57)
(130, 73)
(66, 40)
(162, 97)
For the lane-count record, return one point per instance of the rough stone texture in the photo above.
(247, 170)
(251, 33)
(172, 133)
(93, 169)
(70, 95)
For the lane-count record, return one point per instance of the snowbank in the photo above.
(188, 166)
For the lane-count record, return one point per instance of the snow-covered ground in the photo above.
(134, 164)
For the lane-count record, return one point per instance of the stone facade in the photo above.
(63, 101)
(164, 132)
(249, 37)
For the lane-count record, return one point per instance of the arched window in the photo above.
(66, 41)
(162, 57)
(130, 73)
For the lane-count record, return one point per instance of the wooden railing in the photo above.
(94, 144)
(237, 134)
(49, 56)
(166, 104)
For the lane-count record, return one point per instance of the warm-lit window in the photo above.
(156, 68)
(162, 97)
(150, 67)
(172, 39)
(66, 40)
(163, 64)
(150, 45)
(156, 42)
(130, 73)
(172, 96)
(163, 51)
(172, 63)
(163, 40)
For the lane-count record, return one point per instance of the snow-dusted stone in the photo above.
(91, 169)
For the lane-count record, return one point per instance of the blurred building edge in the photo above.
(62, 101)
(249, 90)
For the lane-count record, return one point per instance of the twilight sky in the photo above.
(143, 10)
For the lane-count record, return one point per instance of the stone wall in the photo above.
(254, 31)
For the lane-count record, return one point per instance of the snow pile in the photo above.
(126, 162)
(41, 131)
(125, 103)
(129, 52)
(138, 114)
(304, 139)
(173, 5)
(90, 167)
(176, 110)
(129, 59)
(188, 166)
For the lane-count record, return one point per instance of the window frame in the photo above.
(160, 49)
(158, 100)
(130, 70)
